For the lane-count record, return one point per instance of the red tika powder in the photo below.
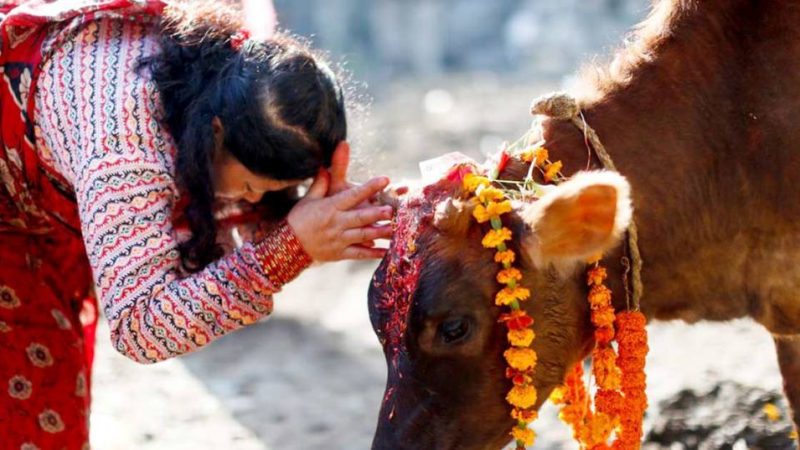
(397, 278)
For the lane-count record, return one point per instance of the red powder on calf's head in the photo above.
(397, 278)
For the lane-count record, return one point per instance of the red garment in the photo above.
(47, 315)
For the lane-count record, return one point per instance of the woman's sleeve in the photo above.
(96, 116)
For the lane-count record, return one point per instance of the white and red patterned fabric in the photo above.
(87, 203)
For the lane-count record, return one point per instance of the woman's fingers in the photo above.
(365, 234)
(341, 226)
(339, 163)
(319, 188)
(361, 217)
(358, 252)
(353, 197)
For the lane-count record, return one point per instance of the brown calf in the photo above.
(701, 114)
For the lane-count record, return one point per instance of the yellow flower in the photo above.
(793, 435)
(496, 237)
(772, 412)
(507, 296)
(480, 214)
(504, 298)
(551, 171)
(527, 155)
(490, 194)
(506, 275)
(521, 338)
(506, 257)
(498, 208)
(522, 293)
(472, 181)
(540, 154)
(559, 395)
(521, 359)
(522, 396)
(524, 415)
(537, 154)
(524, 435)
(493, 209)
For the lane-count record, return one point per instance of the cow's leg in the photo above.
(788, 348)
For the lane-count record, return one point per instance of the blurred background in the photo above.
(426, 77)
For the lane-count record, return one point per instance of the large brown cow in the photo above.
(701, 114)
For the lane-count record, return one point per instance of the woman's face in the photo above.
(234, 182)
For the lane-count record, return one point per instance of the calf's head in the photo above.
(431, 305)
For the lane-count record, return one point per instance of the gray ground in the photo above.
(312, 375)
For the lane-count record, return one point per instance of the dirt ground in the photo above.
(312, 375)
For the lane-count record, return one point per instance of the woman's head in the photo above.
(247, 117)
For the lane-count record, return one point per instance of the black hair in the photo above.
(281, 107)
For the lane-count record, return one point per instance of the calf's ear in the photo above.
(578, 219)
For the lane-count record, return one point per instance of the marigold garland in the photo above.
(516, 320)
(493, 209)
(508, 296)
(491, 203)
(537, 155)
(552, 170)
(521, 338)
(632, 340)
(505, 258)
(521, 359)
(577, 407)
(619, 401)
(494, 238)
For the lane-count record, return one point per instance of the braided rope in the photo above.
(562, 106)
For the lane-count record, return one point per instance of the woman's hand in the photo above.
(340, 226)
(340, 161)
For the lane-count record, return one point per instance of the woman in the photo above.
(125, 122)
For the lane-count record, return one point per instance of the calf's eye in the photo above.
(454, 330)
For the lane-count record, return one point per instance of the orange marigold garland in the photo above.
(577, 404)
(620, 400)
(491, 203)
(632, 340)
(604, 358)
